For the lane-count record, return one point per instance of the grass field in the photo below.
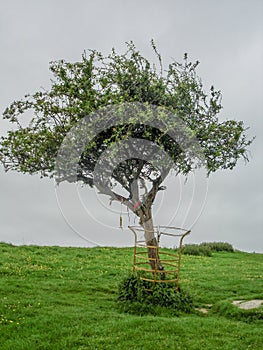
(65, 298)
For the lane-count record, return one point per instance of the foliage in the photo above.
(81, 88)
(206, 248)
(218, 246)
(65, 298)
(148, 298)
(195, 249)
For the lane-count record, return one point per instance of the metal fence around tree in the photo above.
(170, 258)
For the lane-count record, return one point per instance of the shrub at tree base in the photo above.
(142, 297)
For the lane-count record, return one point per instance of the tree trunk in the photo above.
(151, 241)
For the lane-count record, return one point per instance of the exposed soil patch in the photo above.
(205, 310)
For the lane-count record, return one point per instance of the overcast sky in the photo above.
(225, 36)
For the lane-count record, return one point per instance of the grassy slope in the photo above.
(64, 298)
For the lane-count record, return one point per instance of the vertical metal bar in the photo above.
(156, 262)
(179, 263)
(135, 247)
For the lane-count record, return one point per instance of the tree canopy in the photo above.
(84, 90)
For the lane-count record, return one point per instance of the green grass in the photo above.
(65, 298)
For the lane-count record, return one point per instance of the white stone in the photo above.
(246, 305)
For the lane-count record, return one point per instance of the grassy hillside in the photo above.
(65, 298)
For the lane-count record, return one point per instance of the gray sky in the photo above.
(225, 36)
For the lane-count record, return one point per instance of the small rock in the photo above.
(209, 305)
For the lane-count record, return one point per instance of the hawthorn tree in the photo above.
(85, 90)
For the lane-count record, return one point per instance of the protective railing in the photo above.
(161, 265)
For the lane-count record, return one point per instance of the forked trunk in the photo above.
(152, 247)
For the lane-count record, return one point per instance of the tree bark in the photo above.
(152, 247)
(144, 212)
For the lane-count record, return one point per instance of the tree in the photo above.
(167, 110)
